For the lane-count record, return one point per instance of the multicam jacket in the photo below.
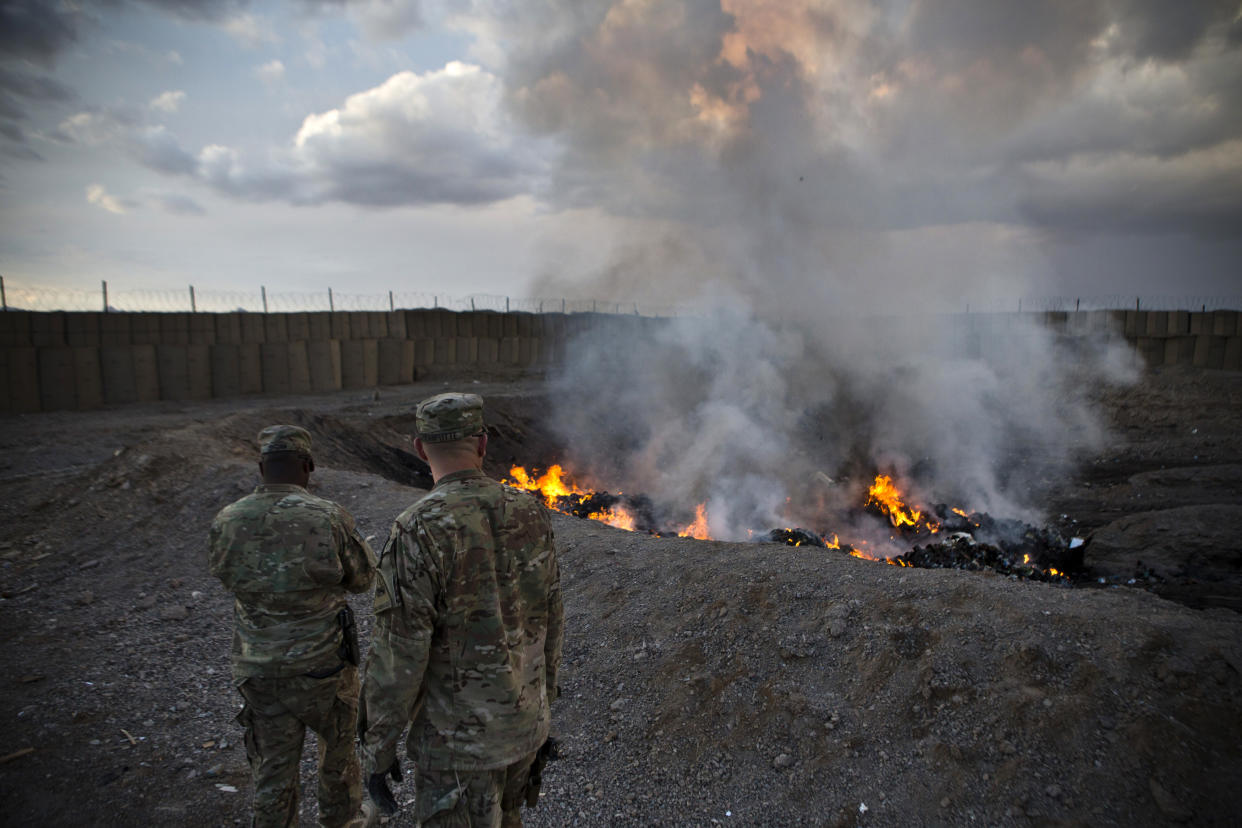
(288, 557)
(468, 625)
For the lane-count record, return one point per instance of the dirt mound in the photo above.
(777, 685)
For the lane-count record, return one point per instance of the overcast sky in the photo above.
(632, 150)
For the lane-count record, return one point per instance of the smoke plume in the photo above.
(783, 170)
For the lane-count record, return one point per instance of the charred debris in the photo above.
(937, 538)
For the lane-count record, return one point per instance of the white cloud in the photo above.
(442, 137)
(97, 195)
(173, 57)
(271, 73)
(250, 31)
(169, 101)
(94, 128)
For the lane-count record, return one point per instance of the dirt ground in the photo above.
(704, 683)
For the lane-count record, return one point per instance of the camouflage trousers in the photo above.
(276, 714)
(478, 799)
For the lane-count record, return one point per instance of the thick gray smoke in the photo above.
(784, 169)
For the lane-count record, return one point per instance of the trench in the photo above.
(521, 433)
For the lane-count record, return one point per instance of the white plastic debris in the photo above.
(862, 807)
(226, 788)
(1076, 542)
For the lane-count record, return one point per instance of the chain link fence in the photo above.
(40, 298)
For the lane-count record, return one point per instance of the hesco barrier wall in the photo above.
(73, 360)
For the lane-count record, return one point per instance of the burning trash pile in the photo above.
(936, 538)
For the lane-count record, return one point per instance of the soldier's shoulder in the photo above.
(525, 498)
(240, 509)
(314, 501)
(447, 506)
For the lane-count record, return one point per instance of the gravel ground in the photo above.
(704, 682)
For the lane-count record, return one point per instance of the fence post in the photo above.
(540, 301)
(105, 295)
(193, 304)
(1077, 302)
(506, 304)
(263, 290)
(331, 304)
(4, 302)
(1136, 303)
(391, 307)
(472, 304)
(435, 302)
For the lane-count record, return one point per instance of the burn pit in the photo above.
(939, 537)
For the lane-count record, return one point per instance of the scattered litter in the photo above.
(211, 743)
(90, 564)
(129, 736)
(862, 807)
(226, 788)
(31, 679)
(17, 754)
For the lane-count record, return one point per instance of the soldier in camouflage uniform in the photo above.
(467, 637)
(289, 557)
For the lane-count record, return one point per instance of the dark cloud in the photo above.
(791, 122)
(18, 88)
(37, 30)
(34, 87)
(1171, 31)
(197, 9)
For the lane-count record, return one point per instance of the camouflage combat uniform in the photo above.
(466, 647)
(289, 557)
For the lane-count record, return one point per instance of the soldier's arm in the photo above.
(358, 561)
(405, 616)
(556, 625)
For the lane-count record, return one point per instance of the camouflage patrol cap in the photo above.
(447, 417)
(284, 438)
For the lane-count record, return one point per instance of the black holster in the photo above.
(348, 651)
(534, 781)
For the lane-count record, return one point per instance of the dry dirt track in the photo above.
(704, 683)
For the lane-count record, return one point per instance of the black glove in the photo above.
(377, 787)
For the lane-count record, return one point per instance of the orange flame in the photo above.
(885, 495)
(698, 529)
(552, 484)
(835, 543)
(617, 516)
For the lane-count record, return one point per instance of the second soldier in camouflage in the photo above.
(289, 557)
(467, 639)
